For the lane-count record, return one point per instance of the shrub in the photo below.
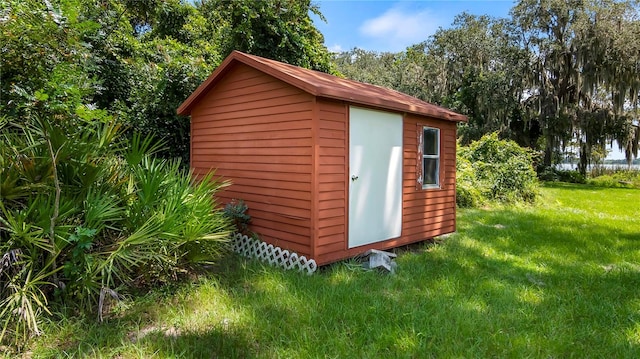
(600, 170)
(236, 212)
(467, 188)
(83, 211)
(495, 170)
(615, 179)
(551, 174)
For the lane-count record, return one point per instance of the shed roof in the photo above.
(323, 85)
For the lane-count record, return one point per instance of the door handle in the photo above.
(354, 177)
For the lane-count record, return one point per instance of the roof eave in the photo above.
(392, 105)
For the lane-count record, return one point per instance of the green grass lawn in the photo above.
(558, 280)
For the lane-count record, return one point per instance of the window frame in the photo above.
(425, 156)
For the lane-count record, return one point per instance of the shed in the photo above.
(328, 167)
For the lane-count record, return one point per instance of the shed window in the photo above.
(430, 157)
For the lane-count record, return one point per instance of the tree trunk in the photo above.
(584, 158)
(548, 151)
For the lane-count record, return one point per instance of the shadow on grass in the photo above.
(510, 283)
(233, 343)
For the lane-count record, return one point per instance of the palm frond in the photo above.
(140, 147)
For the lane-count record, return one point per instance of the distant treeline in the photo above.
(635, 162)
(553, 74)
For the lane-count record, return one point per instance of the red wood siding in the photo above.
(287, 155)
(257, 132)
(426, 213)
(331, 177)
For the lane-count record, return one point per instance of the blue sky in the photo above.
(393, 25)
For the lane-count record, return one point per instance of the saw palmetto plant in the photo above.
(86, 210)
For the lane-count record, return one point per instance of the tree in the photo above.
(556, 74)
(44, 57)
(369, 66)
(151, 55)
(583, 78)
(85, 209)
(279, 30)
(407, 72)
(477, 61)
(470, 67)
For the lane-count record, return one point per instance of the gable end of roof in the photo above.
(323, 85)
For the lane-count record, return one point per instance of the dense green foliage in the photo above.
(557, 280)
(551, 174)
(600, 176)
(557, 76)
(616, 178)
(491, 169)
(236, 212)
(139, 60)
(279, 30)
(95, 198)
(106, 56)
(84, 210)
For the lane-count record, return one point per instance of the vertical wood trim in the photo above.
(443, 163)
(347, 174)
(455, 175)
(191, 142)
(315, 176)
(405, 125)
(419, 139)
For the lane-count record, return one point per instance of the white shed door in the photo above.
(375, 165)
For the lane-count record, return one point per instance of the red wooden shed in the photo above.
(328, 167)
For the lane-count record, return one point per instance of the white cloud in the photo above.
(400, 26)
(335, 48)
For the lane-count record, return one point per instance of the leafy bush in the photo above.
(164, 76)
(84, 211)
(236, 211)
(620, 170)
(495, 170)
(551, 174)
(467, 186)
(617, 179)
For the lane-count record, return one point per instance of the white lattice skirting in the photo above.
(277, 256)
